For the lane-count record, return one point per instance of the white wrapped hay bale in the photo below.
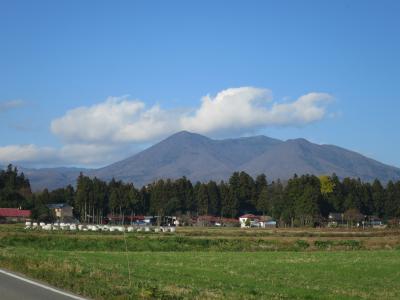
(47, 227)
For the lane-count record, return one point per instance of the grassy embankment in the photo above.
(211, 263)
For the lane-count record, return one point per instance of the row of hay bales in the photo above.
(92, 227)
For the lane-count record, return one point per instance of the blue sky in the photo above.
(87, 82)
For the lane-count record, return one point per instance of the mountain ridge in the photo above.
(200, 158)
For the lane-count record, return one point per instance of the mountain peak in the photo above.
(299, 141)
(183, 133)
(185, 136)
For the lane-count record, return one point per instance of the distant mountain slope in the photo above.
(52, 178)
(201, 159)
(300, 156)
(186, 154)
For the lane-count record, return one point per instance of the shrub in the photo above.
(323, 245)
(302, 244)
(350, 244)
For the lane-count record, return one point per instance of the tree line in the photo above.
(302, 200)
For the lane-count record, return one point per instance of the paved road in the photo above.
(15, 287)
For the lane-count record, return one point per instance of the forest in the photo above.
(301, 200)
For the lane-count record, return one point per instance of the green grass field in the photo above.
(211, 263)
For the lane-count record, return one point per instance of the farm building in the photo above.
(266, 222)
(247, 220)
(61, 210)
(124, 219)
(142, 220)
(336, 219)
(210, 221)
(354, 218)
(12, 215)
(373, 221)
(161, 220)
(250, 220)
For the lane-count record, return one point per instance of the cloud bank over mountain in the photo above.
(106, 131)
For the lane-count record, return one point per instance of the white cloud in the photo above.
(26, 153)
(11, 104)
(108, 131)
(252, 108)
(120, 120)
(115, 120)
(67, 155)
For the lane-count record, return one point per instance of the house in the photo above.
(267, 222)
(374, 222)
(61, 210)
(213, 221)
(354, 218)
(249, 220)
(157, 220)
(12, 215)
(335, 219)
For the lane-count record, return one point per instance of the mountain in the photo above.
(187, 154)
(301, 157)
(200, 158)
(52, 178)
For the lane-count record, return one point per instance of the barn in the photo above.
(14, 215)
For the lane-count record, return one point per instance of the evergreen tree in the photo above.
(202, 200)
(263, 203)
(214, 199)
(277, 199)
(392, 199)
(229, 202)
(259, 185)
(378, 198)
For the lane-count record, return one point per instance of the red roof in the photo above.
(206, 218)
(14, 212)
(249, 216)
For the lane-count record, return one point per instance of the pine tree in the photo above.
(378, 198)
(263, 203)
(229, 201)
(202, 200)
(214, 207)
